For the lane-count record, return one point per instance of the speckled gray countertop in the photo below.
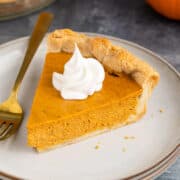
(131, 20)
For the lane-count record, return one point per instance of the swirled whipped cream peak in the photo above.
(81, 78)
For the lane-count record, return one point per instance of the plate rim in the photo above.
(26, 11)
(157, 168)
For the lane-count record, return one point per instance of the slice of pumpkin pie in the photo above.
(88, 86)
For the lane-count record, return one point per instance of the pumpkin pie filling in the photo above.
(54, 120)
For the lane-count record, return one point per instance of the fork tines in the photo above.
(5, 128)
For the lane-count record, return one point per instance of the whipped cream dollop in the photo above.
(81, 78)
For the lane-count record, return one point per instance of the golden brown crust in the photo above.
(7, 1)
(114, 58)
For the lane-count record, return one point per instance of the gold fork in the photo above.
(11, 113)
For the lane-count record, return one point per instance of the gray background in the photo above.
(132, 20)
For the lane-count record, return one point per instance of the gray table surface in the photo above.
(131, 20)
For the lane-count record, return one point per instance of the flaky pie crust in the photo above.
(114, 58)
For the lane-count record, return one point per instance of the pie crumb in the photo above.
(96, 147)
(161, 110)
(129, 137)
(123, 149)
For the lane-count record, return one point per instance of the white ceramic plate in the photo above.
(157, 135)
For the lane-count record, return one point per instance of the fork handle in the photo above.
(40, 29)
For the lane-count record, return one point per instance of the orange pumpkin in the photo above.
(168, 8)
